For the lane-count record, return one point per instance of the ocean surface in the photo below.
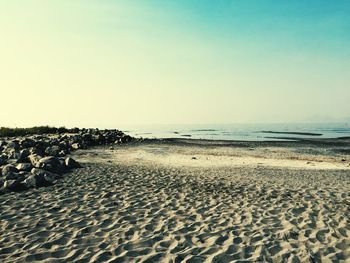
(247, 132)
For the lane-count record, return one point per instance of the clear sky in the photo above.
(104, 63)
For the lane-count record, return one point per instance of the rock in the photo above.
(35, 150)
(34, 159)
(3, 159)
(30, 181)
(49, 160)
(40, 178)
(14, 185)
(42, 172)
(343, 160)
(15, 176)
(71, 163)
(76, 146)
(13, 144)
(53, 151)
(125, 139)
(24, 167)
(12, 153)
(27, 143)
(23, 155)
(8, 169)
(52, 164)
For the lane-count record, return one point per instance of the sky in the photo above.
(107, 63)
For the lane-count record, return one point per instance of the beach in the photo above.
(182, 200)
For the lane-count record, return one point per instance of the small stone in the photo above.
(343, 160)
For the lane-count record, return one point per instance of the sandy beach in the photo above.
(188, 201)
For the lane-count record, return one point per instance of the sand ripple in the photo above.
(138, 213)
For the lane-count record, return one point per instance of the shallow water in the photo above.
(249, 132)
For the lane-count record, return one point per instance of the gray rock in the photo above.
(3, 159)
(15, 176)
(27, 143)
(8, 169)
(52, 164)
(14, 185)
(31, 181)
(71, 163)
(34, 159)
(76, 146)
(42, 173)
(24, 167)
(53, 151)
(35, 150)
(23, 155)
(13, 145)
(40, 178)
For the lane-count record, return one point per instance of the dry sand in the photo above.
(186, 202)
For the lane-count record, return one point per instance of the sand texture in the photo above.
(174, 202)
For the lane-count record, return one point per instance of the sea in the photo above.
(245, 132)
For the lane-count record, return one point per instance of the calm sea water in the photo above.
(250, 132)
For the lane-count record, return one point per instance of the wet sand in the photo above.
(188, 201)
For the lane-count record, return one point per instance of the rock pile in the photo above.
(39, 160)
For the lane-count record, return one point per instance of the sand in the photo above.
(186, 202)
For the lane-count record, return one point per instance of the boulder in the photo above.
(76, 146)
(27, 143)
(40, 177)
(24, 167)
(71, 163)
(52, 164)
(31, 181)
(14, 185)
(3, 159)
(53, 151)
(13, 144)
(36, 150)
(15, 176)
(34, 159)
(42, 172)
(8, 169)
(23, 155)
